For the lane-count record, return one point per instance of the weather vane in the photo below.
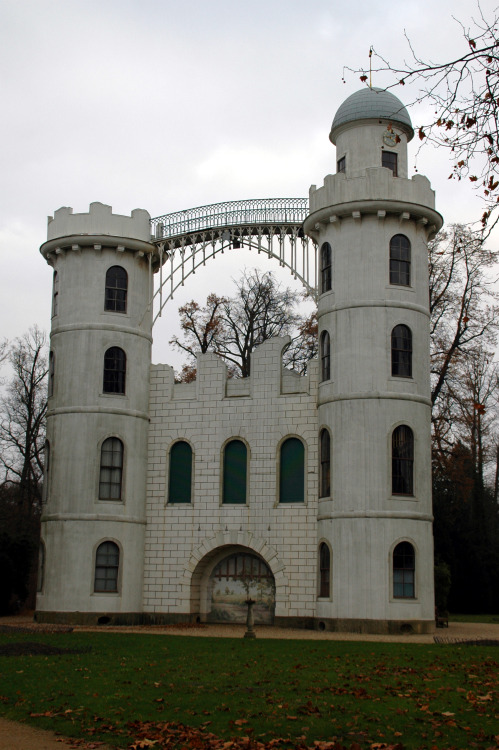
(370, 67)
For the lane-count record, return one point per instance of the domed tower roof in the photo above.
(372, 104)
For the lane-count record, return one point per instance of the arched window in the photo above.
(111, 469)
(107, 564)
(325, 356)
(180, 473)
(41, 567)
(402, 352)
(55, 294)
(325, 468)
(114, 370)
(234, 472)
(292, 472)
(402, 461)
(404, 567)
(46, 472)
(51, 374)
(325, 267)
(116, 289)
(324, 570)
(400, 260)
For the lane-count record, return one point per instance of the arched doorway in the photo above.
(234, 579)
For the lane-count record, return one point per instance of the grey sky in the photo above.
(169, 105)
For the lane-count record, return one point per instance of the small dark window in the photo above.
(324, 570)
(402, 461)
(180, 473)
(402, 352)
(234, 472)
(403, 571)
(55, 295)
(400, 260)
(41, 567)
(292, 472)
(111, 469)
(325, 267)
(389, 160)
(325, 468)
(51, 374)
(341, 164)
(107, 563)
(114, 370)
(46, 472)
(116, 289)
(325, 356)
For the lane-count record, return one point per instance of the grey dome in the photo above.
(372, 104)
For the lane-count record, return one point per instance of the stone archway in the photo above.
(235, 578)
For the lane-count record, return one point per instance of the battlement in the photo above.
(100, 220)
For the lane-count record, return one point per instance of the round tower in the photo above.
(372, 225)
(97, 423)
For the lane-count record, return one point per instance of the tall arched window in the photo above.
(403, 461)
(51, 374)
(107, 565)
(325, 267)
(116, 289)
(114, 370)
(404, 568)
(111, 469)
(292, 472)
(55, 295)
(324, 570)
(402, 352)
(180, 473)
(325, 356)
(46, 472)
(325, 468)
(234, 472)
(400, 260)
(41, 567)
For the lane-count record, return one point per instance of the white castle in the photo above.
(311, 495)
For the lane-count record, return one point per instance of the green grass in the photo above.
(488, 619)
(422, 696)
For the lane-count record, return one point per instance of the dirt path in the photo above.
(16, 736)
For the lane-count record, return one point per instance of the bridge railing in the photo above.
(232, 213)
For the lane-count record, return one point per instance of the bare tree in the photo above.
(233, 327)
(22, 418)
(464, 96)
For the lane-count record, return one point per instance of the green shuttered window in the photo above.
(180, 474)
(235, 462)
(292, 472)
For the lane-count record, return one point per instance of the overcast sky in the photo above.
(167, 105)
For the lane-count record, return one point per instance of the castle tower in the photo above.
(372, 225)
(97, 427)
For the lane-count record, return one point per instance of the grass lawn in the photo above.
(121, 687)
(488, 619)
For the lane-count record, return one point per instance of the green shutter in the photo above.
(235, 459)
(292, 472)
(179, 489)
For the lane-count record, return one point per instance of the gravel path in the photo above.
(16, 736)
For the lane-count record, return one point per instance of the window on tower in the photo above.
(400, 260)
(292, 471)
(180, 473)
(114, 370)
(116, 289)
(402, 352)
(55, 295)
(325, 267)
(324, 570)
(404, 568)
(402, 461)
(107, 564)
(111, 469)
(325, 464)
(389, 160)
(235, 457)
(51, 374)
(325, 351)
(341, 164)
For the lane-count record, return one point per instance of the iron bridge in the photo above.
(273, 226)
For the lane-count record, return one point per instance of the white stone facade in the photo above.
(167, 552)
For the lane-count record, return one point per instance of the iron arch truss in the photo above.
(187, 239)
